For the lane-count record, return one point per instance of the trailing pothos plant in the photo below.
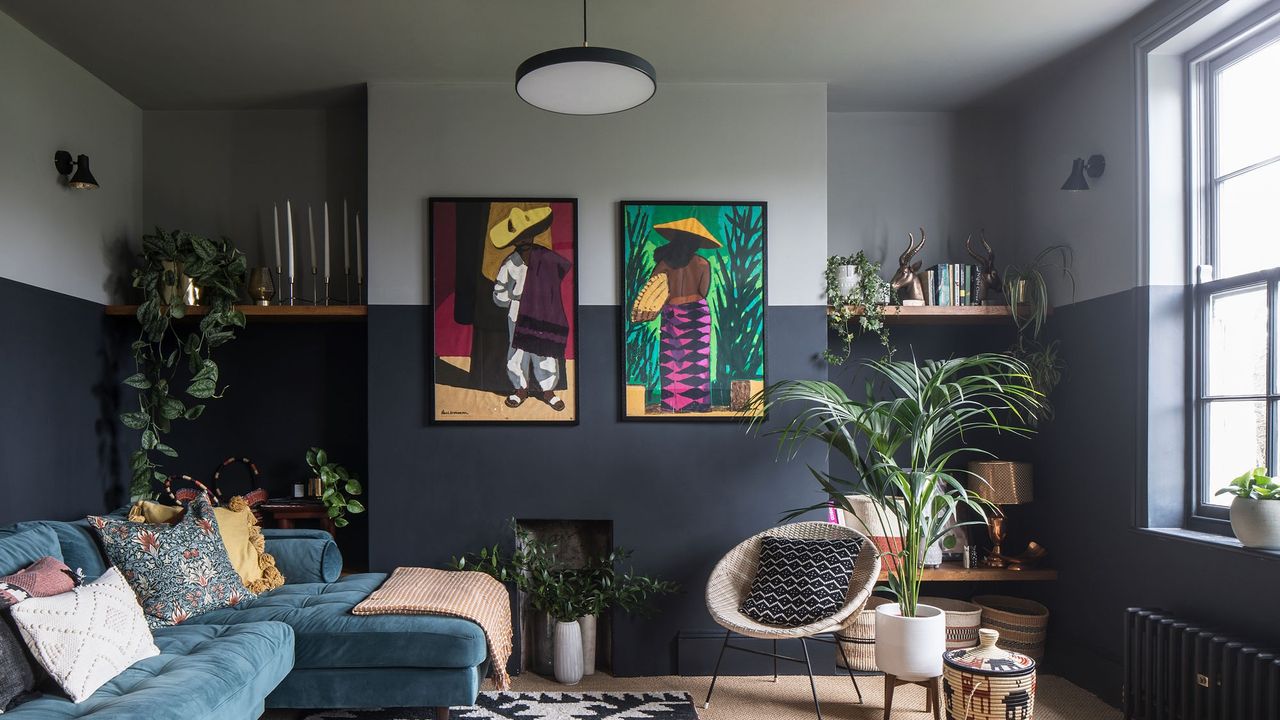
(1027, 291)
(175, 371)
(861, 311)
(336, 483)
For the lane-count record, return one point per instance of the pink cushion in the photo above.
(45, 577)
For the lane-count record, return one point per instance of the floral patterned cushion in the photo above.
(178, 571)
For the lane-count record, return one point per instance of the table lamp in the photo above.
(1000, 482)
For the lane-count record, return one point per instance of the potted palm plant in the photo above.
(903, 448)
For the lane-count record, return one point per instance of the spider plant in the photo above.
(903, 448)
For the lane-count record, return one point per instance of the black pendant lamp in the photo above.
(585, 80)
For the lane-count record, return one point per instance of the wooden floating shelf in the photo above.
(953, 571)
(944, 314)
(271, 313)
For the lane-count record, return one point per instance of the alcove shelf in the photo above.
(944, 315)
(953, 571)
(273, 313)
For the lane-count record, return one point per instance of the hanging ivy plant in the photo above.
(861, 311)
(162, 376)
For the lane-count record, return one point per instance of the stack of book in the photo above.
(950, 284)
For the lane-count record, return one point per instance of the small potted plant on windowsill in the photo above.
(1255, 510)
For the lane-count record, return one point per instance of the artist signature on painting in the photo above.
(455, 412)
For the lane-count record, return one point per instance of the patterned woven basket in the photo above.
(1022, 624)
(963, 621)
(858, 638)
(987, 683)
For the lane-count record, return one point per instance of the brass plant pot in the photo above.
(177, 287)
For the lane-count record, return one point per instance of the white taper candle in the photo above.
(346, 240)
(288, 219)
(275, 223)
(311, 235)
(359, 256)
(326, 241)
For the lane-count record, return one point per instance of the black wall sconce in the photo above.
(1093, 167)
(83, 179)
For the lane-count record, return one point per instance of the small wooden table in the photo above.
(284, 511)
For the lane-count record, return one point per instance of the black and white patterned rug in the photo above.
(545, 706)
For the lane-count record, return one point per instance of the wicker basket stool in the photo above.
(963, 621)
(858, 638)
(731, 580)
(987, 683)
(1022, 624)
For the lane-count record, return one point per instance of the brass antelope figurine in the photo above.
(907, 280)
(988, 277)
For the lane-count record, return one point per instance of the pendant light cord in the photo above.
(584, 23)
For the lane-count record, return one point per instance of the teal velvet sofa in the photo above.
(295, 647)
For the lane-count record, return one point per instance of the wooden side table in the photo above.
(284, 511)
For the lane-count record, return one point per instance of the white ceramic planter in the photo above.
(567, 663)
(910, 648)
(1256, 523)
(847, 279)
(587, 626)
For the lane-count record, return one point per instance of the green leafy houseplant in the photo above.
(336, 483)
(1027, 292)
(1254, 485)
(903, 447)
(217, 268)
(534, 568)
(859, 312)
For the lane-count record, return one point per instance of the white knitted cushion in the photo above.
(86, 637)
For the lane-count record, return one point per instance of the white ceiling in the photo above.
(874, 54)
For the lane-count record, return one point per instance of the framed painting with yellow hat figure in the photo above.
(504, 295)
(693, 314)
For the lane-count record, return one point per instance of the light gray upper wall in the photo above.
(70, 241)
(691, 142)
(889, 173)
(1081, 104)
(217, 173)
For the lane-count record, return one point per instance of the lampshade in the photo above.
(83, 179)
(1001, 482)
(585, 80)
(1093, 167)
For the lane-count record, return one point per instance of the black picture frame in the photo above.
(573, 381)
(624, 311)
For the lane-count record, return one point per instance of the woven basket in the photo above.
(858, 638)
(987, 683)
(1022, 624)
(963, 621)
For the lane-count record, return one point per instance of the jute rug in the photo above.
(546, 706)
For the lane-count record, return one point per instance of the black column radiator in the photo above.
(1176, 669)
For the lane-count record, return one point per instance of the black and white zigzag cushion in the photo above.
(800, 581)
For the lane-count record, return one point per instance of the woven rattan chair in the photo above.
(731, 582)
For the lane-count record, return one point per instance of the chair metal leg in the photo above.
(812, 685)
(716, 674)
(775, 661)
(849, 667)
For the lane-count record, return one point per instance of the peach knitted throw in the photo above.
(469, 595)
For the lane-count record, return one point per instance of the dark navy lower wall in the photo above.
(1086, 466)
(680, 494)
(57, 455)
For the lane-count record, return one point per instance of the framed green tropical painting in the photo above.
(693, 310)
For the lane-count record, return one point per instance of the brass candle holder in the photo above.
(262, 286)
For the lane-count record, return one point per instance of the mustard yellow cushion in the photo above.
(245, 545)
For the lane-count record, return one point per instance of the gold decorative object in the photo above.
(1002, 482)
(262, 286)
(314, 487)
(907, 279)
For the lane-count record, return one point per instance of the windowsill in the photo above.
(1209, 539)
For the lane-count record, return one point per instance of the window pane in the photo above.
(1237, 337)
(1236, 442)
(1249, 221)
(1248, 105)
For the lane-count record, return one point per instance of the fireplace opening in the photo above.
(577, 543)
